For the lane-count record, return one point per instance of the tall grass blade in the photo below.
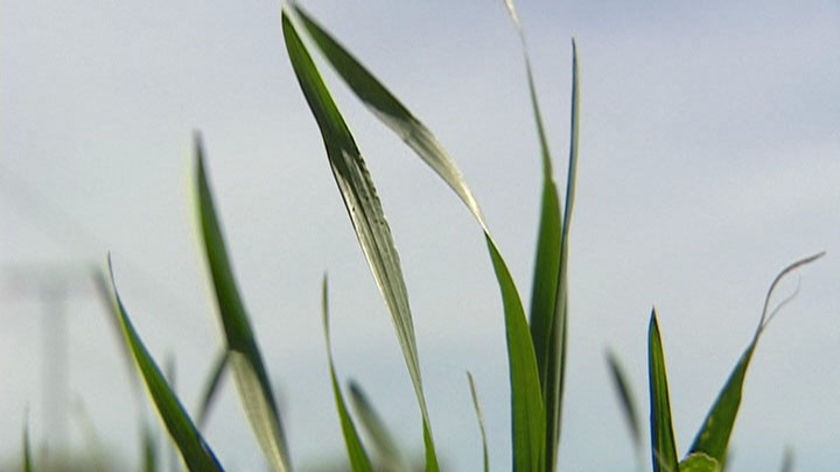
(663, 445)
(390, 457)
(359, 461)
(195, 452)
(365, 211)
(211, 388)
(149, 448)
(480, 417)
(244, 356)
(713, 437)
(528, 411)
(626, 399)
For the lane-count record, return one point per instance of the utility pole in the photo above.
(52, 285)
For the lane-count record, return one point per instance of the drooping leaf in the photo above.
(390, 457)
(359, 461)
(211, 388)
(528, 411)
(366, 214)
(480, 417)
(243, 354)
(663, 445)
(626, 399)
(699, 462)
(713, 436)
(195, 452)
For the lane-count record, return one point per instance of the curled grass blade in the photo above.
(366, 214)
(626, 399)
(195, 452)
(528, 411)
(390, 457)
(243, 354)
(359, 461)
(663, 445)
(480, 417)
(211, 388)
(713, 437)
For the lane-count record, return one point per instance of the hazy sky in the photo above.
(710, 159)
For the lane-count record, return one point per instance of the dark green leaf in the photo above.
(390, 457)
(211, 388)
(195, 452)
(663, 445)
(626, 398)
(365, 213)
(243, 354)
(359, 461)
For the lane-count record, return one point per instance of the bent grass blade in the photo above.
(663, 445)
(713, 437)
(359, 461)
(365, 211)
(528, 410)
(195, 452)
(243, 354)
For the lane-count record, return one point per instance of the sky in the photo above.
(709, 160)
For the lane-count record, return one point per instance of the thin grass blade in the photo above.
(390, 457)
(626, 399)
(787, 460)
(480, 417)
(359, 461)
(211, 388)
(149, 449)
(195, 452)
(27, 449)
(244, 356)
(365, 211)
(713, 437)
(528, 411)
(663, 445)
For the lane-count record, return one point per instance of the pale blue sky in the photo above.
(709, 160)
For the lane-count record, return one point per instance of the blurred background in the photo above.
(708, 162)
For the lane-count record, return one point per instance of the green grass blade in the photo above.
(149, 448)
(713, 437)
(699, 462)
(480, 417)
(390, 110)
(663, 445)
(27, 449)
(244, 356)
(626, 399)
(390, 457)
(211, 389)
(528, 412)
(365, 212)
(195, 452)
(359, 461)
(787, 460)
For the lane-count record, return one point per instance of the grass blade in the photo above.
(663, 445)
(388, 108)
(195, 452)
(244, 355)
(211, 388)
(149, 459)
(626, 399)
(386, 446)
(365, 211)
(713, 437)
(27, 449)
(480, 417)
(528, 411)
(359, 461)
(699, 462)
(787, 460)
